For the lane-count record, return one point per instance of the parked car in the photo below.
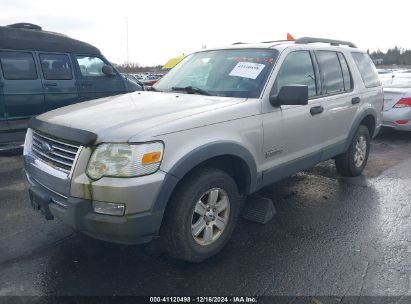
(384, 71)
(41, 71)
(138, 76)
(151, 79)
(177, 162)
(397, 100)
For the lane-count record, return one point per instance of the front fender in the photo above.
(200, 155)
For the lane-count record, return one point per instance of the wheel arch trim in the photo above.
(198, 156)
(354, 127)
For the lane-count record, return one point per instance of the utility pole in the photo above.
(127, 61)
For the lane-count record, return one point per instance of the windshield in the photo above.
(396, 81)
(229, 73)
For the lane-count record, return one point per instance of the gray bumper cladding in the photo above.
(78, 214)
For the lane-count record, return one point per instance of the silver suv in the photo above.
(179, 160)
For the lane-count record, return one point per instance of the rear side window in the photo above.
(18, 66)
(91, 66)
(297, 68)
(367, 70)
(333, 80)
(56, 66)
(348, 85)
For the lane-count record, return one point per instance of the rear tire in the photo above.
(201, 215)
(353, 161)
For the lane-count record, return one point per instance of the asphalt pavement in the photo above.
(331, 236)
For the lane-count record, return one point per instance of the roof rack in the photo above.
(306, 40)
(284, 40)
(264, 42)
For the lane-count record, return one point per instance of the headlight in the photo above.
(125, 160)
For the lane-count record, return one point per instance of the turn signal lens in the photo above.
(151, 158)
(109, 208)
(404, 102)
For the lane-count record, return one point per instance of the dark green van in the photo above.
(41, 71)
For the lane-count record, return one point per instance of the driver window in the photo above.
(91, 66)
(297, 68)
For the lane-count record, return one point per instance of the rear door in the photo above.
(340, 100)
(92, 82)
(58, 80)
(22, 88)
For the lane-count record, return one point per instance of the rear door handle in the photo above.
(316, 110)
(50, 84)
(355, 100)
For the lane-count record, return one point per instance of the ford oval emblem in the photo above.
(46, 148)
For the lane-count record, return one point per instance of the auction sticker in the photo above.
(247, 70)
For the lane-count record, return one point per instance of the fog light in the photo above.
(109, 208)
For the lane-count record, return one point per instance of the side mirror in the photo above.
(291, 95)
(108, 70)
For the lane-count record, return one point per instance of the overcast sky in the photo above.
(160, 29)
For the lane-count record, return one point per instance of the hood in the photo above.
(118, 118)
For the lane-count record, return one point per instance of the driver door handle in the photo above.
(316, 110)
(355, 100)
(50, 84)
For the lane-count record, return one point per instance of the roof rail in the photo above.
(305, 40)
(284, 40)
(25, 25)
(263, 42)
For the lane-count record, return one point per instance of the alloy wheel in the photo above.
(210, 216)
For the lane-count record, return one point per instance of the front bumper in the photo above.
(391, 116)
(78, 214)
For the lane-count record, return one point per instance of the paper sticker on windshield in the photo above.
(247, 70)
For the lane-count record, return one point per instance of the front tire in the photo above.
(353, 161)
(201, 215)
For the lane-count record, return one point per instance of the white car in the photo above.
(397, 100)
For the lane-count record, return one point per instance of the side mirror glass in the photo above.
(290, 95)
(108, 70)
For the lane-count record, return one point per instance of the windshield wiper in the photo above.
(192, 90)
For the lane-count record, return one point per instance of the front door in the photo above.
(58, 80)
(22, 89)
(301, 127)
(93, 83)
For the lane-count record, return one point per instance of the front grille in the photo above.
(54, 152)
